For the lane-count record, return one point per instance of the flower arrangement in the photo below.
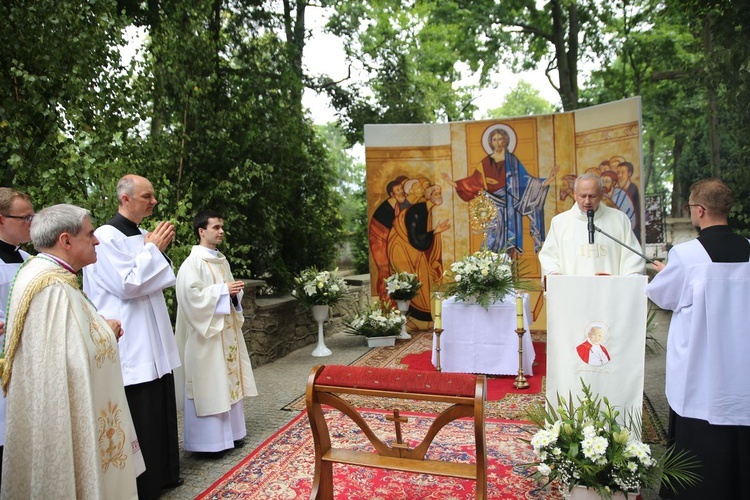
(380, 319)
(402, 285)
(485, 276)
(587, 446)
(318, 288)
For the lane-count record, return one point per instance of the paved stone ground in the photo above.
(284, 380)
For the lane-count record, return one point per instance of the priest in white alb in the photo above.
(566, 249)
(16, 213)
(217, 371)
(69, 428)
(127, 282)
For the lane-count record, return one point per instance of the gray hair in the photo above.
(49, 223)
(586, 176)
(125, 186)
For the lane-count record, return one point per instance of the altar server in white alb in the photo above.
(126, 283)
(217, 369)
(16, 213)
(706, 283)
(566, 249)
(70, 433)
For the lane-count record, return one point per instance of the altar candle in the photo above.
(437, 306)
(519, 312)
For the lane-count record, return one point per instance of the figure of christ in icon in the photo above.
(513, 190)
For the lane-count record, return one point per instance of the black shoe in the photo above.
(239, 443)
(209, 455)
(174, 484)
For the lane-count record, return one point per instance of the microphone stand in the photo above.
(650, 261)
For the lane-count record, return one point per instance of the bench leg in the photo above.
(322, 488)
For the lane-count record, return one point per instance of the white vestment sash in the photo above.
(614, 306)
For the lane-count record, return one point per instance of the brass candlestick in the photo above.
(437, 331)
(521, 382)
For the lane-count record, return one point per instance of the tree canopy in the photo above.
(211, 110)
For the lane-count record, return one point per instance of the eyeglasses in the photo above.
(687, 206)
(25, 218)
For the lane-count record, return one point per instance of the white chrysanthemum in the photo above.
(542, 438)
(594, 447)
(544, 469)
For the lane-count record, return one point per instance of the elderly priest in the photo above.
(567, 248)
(69, 429)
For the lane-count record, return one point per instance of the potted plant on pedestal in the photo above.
(379, 323)
(319, 290)
(588, 449)
(402, 287)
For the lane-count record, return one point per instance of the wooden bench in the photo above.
(467, 393)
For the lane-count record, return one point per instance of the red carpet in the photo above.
(497, 385)
(282, 467)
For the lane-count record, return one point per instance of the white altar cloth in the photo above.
(475, 340)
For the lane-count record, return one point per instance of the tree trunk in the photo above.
(566, 55)
(712, 114)
(677, 189)
(649, 166)
(294, 27)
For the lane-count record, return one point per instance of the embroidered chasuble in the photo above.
(69, 429)
(217, 371)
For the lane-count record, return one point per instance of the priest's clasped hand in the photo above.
(116, 327)
(235, 287)
(162, 235)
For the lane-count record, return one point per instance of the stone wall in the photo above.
(274, 327)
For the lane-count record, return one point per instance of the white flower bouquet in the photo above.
(485, 276)
(380, 319)
(318, 288)
(585, 445)
(402, 286)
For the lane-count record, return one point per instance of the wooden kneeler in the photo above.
(466, 392)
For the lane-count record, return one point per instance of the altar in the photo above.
(479, 340)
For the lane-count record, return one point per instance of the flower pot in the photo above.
(320, 314)
(584, 493)
(403, 306)
(381, 341)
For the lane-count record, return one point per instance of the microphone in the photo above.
(590, 215)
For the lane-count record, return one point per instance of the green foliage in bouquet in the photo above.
(318, 288)
(585, 445)
(380, 319)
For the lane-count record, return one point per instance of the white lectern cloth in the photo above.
(475, 340)
(618, 303)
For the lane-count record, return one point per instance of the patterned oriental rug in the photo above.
(503, 400)
(283, 466)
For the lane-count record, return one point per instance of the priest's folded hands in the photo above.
(116, 327)
(235, 287)
(162, 235)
